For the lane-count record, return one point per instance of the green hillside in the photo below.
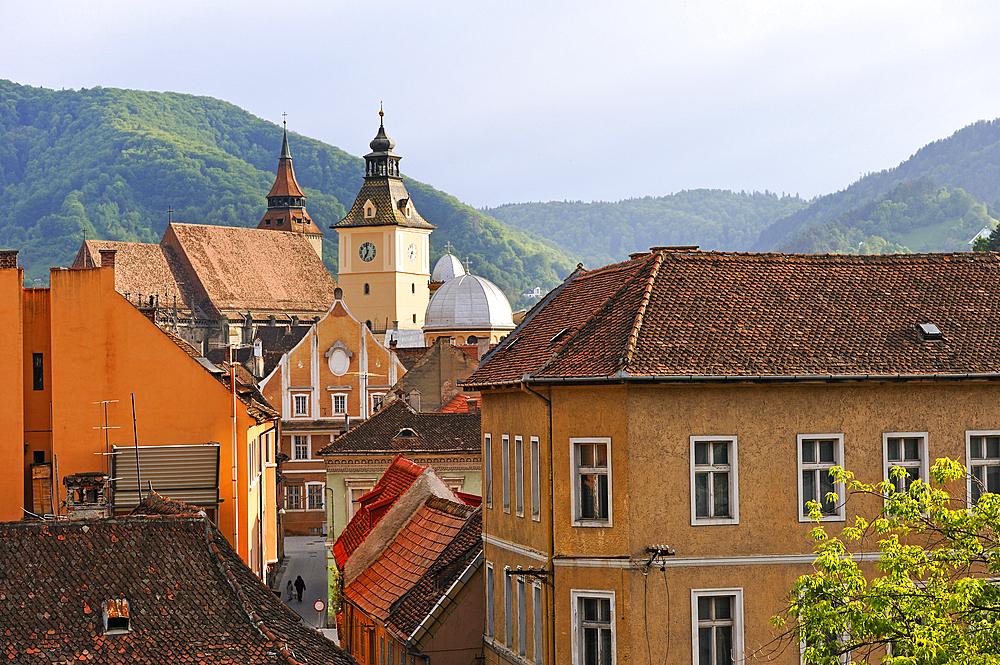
(916, 216)
(604, 232)
(107, 163)
(968, 159)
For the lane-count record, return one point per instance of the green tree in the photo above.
(931, 600)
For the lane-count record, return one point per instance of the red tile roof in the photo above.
(691, 314)
(373, 506)
(396, 427)
(458, 404)
(407, 560)
(191, 599)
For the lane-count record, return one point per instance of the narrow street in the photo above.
(306, 557)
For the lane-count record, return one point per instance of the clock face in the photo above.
(411, 252)
(367, 252)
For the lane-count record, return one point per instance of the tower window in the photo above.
(413, 288)
(38, 370)
(414, 318)
(367, 289)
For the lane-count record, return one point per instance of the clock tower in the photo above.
(384, 246)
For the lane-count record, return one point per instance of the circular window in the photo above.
(339, 362)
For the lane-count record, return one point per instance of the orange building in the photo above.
(84, 353)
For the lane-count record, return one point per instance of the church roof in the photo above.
(240, 269)
(140, 268)
(691, 315)
(468, 302)
(448, 267)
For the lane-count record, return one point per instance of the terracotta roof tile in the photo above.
(191, 599)
(408, 558)
(698, 314)
(393, 427)
(373, 505)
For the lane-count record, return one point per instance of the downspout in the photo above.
(236, 512)
(552, 532)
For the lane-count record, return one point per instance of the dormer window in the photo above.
(281, 221)
(115, 612)
(267, 222)
(927, 332)
(369, 209)
(409, 211)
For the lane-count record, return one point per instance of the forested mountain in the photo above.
(108, 162)
(600, 233)
(916, 216)
(968, 159)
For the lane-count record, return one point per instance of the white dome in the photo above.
(447, 268)
(468, 302)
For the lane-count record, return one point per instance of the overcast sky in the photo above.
(499, 102)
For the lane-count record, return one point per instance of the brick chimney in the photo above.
(88, 496)
(472, 405)
(108, 258)
(8, 259)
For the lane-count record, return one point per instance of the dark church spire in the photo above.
(382, 162)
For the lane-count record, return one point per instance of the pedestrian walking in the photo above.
(289, 592)
(300, 586)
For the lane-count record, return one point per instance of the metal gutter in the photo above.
(624, 377)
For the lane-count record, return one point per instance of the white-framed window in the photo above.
(536, 485)
(488, 469)
(717, 626)
(536, 619)
(845, 658)
(357, 488)
(314, 496)
(508, 610)
(505, 466)
(982, 454)
(300, 446)
(300, 405)
(377, 399)
(714, 480)
(519, 476)
(253, 457)
(489, 600)
(593, 626)
(293, 497)
(339, 403)
(590, 485)
(909, 451)
(818, 453)
(522, 618)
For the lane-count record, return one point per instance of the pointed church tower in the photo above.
(384, 246)
(286, 203)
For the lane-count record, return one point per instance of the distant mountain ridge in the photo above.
(107, 163)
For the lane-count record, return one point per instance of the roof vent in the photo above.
(927, 332)
(116, 616)
(559, 336)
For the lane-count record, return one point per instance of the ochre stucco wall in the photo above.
(12, 436)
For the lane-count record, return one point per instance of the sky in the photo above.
(507, 102)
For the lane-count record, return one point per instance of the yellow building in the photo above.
(384, 245)
(654, 428)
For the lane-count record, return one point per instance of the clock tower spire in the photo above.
(384, 245)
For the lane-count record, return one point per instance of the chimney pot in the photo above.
(8, 259)
(108, 258)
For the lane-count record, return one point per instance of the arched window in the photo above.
(413, 288)
(414, 318)
(367, 291)
(472, 340)
(369, 324)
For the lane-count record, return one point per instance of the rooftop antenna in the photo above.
(135, 434)
(107, 445)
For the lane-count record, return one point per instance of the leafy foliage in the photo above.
(916, 215)
(107, 162)
(932, 601)
(601, 233)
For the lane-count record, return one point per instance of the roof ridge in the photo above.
(633, 338)
(610, 300)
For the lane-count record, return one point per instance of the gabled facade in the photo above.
(678, 410)
(434, 379)
(84, 356)
(384, 246)
(336, 374)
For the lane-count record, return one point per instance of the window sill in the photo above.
(827, 518)
(714, 521)
(592, 523)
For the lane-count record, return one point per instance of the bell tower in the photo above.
(384, 246)
(286, 203)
